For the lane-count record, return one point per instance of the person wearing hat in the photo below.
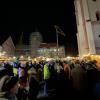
(8, 88)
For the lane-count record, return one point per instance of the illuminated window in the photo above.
(98, 15)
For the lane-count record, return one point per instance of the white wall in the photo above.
(81, 36)
(93, 8)
(96, 31)
(88, 26)
(86, 15)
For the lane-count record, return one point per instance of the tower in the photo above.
(21, 48)
(35, 41)
(21, 39)
(88, 26)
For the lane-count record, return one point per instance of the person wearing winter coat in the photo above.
(46, 78)
(8, 88)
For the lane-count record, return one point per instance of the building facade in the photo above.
(44, 49)
(50, 50)
(88, 26)
(22, 50)
(37, 48)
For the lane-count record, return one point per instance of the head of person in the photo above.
(64, 62)
(23, 82)
(57, 61)
(23, 65)
(9, 84)
(94, 62)
(3, 72)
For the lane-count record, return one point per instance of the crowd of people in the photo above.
(73, 79)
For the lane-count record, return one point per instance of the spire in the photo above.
(21, 39)
(36, 29)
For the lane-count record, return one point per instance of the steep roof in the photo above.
(3, 39)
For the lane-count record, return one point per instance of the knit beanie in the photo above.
(9, 83)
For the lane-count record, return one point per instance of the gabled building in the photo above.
(8, 47)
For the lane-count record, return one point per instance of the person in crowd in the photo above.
(79, 79)
(67, 69)
(35, 65)
(46, 76)
(23, 70)
(52, 69)
(40, 74)
(3, 72)
(23, 88)
(32, 72)
(93, 76)
(71, 64)
(96, 91)
(58, 67)
(30, 64)
(8, 88)
(33, 88)
(9, 69)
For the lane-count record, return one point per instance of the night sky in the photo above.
(26, 20)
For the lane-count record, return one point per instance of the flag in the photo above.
(58, 30)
